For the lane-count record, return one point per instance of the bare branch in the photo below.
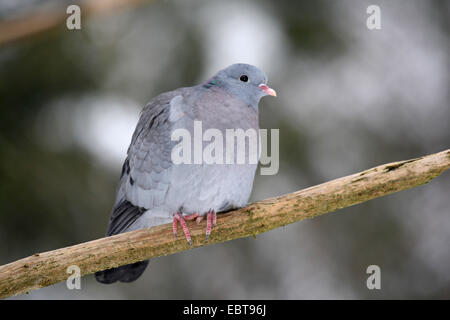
(48, 268)
(43, 20)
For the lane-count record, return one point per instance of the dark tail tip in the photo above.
(127, 273)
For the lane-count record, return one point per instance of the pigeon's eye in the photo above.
(243, 78)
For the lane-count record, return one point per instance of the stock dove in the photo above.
(153, 190)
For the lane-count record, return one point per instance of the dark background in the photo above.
(349, 98)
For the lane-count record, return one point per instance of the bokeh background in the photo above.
(349, 98)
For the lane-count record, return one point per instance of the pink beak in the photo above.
(268, 90)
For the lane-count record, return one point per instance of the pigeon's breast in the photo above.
(219, 109)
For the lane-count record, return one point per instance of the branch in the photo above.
(44, 269)
(40, 21)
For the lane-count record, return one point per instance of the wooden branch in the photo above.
(44, 269)
(44, 20)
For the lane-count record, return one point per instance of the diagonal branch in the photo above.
(44, 269)
(39, 21)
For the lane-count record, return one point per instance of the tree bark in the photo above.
(44, 269)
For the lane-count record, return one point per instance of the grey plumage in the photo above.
(152, 189)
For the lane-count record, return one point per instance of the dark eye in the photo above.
(243, 78)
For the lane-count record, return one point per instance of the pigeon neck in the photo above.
(249, 97)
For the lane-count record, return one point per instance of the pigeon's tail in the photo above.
(127, 273)
(123, 215)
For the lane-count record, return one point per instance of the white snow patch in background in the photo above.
(105, 128)
(102, 125)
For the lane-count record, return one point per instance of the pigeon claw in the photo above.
(193, 216)
(210, 222)
(179, 218)
(211, 218)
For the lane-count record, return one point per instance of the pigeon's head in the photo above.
(244, 81)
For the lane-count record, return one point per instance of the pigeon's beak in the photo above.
(267, 90)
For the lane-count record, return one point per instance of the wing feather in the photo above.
(145, 176)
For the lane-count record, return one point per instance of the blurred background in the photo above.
(349, 98)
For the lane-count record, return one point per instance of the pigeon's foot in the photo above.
(210, 222)
(193, 216)
(178, 217)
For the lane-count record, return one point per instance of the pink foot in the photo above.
(211, 218)
(210, 222)
(193, 216)
(178, 217)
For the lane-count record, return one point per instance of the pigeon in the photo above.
(153, 190)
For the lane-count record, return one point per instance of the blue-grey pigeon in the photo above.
(153, 190)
